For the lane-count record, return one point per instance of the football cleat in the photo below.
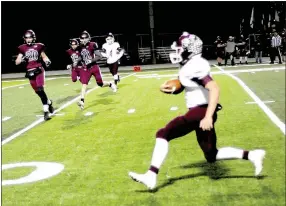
(256, 158)
(113, 87)
(81, 105)
(51, 108)
(46, 116)
(149, 179)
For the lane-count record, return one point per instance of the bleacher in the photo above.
(144, 54)
(162, 54)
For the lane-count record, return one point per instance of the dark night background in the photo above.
(56, 22)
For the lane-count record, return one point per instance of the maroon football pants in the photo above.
(182, 125)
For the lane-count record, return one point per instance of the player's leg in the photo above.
(98, 77)
(232, 59)
(257, 56)
(38, 85)
(260, 56)
(74, 74)
(84, 78)
(227, 55)
(240, 56)
(272, 55)
(207, 141)
(279, 55)
(245, 54)
(114, 69)
(219, 58)
(78, 74)
(178, 127)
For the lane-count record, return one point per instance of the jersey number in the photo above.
(86, 56)
(32, 55)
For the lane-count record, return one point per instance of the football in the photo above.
(174, 87)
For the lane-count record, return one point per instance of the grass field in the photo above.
(99, 145)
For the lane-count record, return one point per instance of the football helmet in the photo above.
(109, 39)
(74, 43)
(29, 37)
(84, 38)
(187, 42)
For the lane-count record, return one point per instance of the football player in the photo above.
(32, 54)
(230, 50)
(219, 50)
(74, 54)
(202, 97)
(242, 49)
(112, 51)
(90, 55)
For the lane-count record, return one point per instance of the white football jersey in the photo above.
(189, 75)
(111, 52)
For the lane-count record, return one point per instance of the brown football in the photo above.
(176, 86)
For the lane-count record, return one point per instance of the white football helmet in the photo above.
(189, 42)
(109, 39)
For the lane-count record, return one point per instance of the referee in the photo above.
(275, 48)
(229, 51)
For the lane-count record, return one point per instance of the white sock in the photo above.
(229, 153)
(160, 152)
(46, 107)
(49, 101)
(245, 59)
(115, 77)
(240, 59)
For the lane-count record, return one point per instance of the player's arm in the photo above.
(97, 56)
(207, 122)
(19, 59)
(214, 92)
(103, 51)
(118, 48)
(45, 59)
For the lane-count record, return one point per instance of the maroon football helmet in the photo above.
(84, 38)
(29, 37)
(74, 43)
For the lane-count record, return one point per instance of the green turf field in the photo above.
(98, 150)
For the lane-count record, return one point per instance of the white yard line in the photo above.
(248, 65)
(130, 111)
(147, 76)
(5, 119)
(3, 88)
(260, 103)
(249, 70)
(266, 102)
(51, 78)
(35, 123)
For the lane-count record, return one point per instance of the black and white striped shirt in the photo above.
(276, 41)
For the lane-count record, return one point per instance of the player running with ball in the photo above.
(202, 97)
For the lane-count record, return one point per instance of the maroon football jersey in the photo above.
(32, 53)
(74, 55)
(87, 51)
